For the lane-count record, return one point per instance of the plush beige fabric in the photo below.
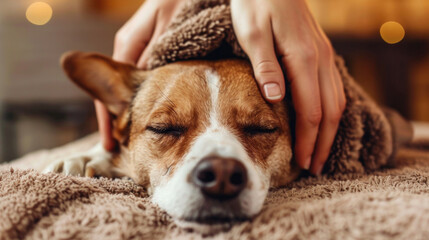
(385, 204)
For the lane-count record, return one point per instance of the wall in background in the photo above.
(363, 18)
(2, 76)
(420, 90)
(41, 108)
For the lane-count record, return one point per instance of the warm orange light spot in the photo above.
(392, 32)
(39, 13)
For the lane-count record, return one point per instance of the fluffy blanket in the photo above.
(384, 204)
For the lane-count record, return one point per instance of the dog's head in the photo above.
(197, 134)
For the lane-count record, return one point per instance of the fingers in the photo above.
(104, 126)
(268, 72)
(132, 38)
(319, 101)
(160, 28)
(331, 92)
(163, 19)
(258, 43)
(133, 42)
(303, 75)
(332, 98)
(289, 30)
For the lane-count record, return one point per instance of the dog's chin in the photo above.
(209, 225)
(214, 217)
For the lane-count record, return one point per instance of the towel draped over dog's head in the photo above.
(368, 136)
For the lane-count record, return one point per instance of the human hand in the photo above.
(132, 45)
(282, 34)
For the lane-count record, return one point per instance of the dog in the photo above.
(197, 134)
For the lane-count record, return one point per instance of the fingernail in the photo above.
(307, 163)
(272, 91)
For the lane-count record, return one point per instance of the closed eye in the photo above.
(175, 131)
(257, 130)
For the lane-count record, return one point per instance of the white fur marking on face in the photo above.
(180, 198)
(214, 86)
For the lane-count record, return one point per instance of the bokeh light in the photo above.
(392, 32)
(39, 13)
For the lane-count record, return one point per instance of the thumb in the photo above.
(266, 67)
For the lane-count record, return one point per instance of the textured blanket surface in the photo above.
(384, 204)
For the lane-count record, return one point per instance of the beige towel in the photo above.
(386, 204)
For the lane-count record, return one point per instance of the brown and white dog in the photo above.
(197, 134)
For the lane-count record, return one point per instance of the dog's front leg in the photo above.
(95, 162)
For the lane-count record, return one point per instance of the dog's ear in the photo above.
(111, 82)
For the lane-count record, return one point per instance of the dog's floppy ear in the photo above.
(111, 82)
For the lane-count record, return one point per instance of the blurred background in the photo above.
(385, 44)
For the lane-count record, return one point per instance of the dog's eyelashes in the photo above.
(175, 131)
(257, 130)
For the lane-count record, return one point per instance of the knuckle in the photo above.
(314, 117)
(325, 49)
(306, 51)
(266, 67)
(120, 37)
(309, 54)
(252, 34)
(335, 117)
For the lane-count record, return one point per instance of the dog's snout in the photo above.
(220, 178)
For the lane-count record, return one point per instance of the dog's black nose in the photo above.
(220, 178)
